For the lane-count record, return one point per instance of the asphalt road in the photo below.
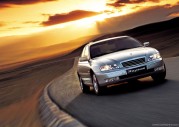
(141, 104)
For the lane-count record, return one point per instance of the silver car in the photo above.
(118, 59)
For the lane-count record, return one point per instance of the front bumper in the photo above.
(121, 75)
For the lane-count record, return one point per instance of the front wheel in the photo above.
(159, 77)
(84, 88)
(97, 89)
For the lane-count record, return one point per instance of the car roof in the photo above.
(112, 38)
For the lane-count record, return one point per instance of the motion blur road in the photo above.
(140, 104)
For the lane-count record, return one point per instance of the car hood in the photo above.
(124, 55)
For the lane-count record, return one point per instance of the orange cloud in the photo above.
(9, 3)
(31, 22)
(116, 4)
(120, 3)
(67, 17)
(14, 28)
(135, 1)
(2, 24)
(176, 14)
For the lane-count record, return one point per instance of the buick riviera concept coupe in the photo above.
(118, 59)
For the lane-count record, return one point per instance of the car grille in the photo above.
(134, 62)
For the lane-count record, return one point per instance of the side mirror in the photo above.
(146, 44)
(83, 59)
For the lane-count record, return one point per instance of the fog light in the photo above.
(112, 79)
(159, 68)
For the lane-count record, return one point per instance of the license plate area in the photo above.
(137, 70)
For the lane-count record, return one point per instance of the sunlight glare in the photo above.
(86, 22)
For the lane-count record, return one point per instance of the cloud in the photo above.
(2, 24)
(175, 14)
(31, 22)
(4, 6)
(9, 3)
(67, 17)
(144, 16)
(14, 28)
(120, 3)
(116, 4)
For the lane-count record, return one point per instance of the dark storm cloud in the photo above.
(120, 3)
(8, 3)
(67, 17)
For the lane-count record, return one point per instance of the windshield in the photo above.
(114, 45)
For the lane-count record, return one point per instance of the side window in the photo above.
(83, 53)
(86, 52)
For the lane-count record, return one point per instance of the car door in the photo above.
(84, 66)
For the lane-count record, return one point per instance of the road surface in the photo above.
(141, 104)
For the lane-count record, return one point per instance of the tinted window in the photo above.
(114, 45)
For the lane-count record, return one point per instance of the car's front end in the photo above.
(129, 67)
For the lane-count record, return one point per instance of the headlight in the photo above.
(109, 67)
(154, 57)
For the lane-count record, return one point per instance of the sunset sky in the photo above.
(38, 29)
(19, 17)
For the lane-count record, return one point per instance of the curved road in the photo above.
(142, 104)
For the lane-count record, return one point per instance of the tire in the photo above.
(97, 89)
(159, 77)
(84, 88)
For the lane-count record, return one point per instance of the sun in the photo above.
(97, 5)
